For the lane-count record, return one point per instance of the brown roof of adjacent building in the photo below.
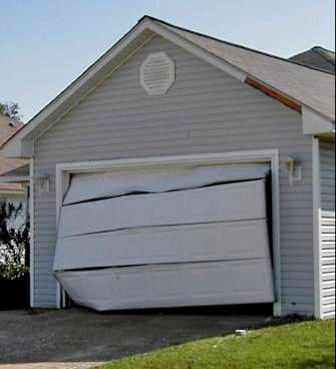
(8, 127)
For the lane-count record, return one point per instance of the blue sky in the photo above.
(45, 44)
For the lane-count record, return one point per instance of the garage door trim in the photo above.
(64, 170)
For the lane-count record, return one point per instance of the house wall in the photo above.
(327, 165)
(204, 111)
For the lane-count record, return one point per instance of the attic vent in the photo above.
(157, 73)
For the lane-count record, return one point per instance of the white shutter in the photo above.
(327, 151)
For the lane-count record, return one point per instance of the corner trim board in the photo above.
(317, 228)
(32, 231)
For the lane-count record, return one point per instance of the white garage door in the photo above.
(169, 237)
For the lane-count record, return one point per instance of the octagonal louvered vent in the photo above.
(157, 73)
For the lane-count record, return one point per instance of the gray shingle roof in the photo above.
(308, 86)
(317, 57)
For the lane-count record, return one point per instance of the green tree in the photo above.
(14, 243)
(10, 109)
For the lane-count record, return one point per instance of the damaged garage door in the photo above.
(166, 237)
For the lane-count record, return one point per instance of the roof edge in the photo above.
(234, 44)
(42, 114)
(15, 147)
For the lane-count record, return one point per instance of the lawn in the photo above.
(301, 345)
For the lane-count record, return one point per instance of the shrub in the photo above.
(14, 243)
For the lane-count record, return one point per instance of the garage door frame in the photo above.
(64, 170)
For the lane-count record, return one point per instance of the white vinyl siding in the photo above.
(204, 111)
(327, 152)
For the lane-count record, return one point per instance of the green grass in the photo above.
(296, 345)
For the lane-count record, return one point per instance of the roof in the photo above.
(21, 170)
(295, 83)
(8, 127)
(309, 86)
(317, 57)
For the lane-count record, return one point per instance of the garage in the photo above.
(175, 108)
(165, 236)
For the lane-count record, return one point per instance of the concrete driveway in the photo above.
(78, 338)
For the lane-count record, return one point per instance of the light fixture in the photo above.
(42, 181)
(293, 169)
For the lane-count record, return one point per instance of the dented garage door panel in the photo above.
(197, 246)
(245, 200)
(208, 283)
(169, 244)
(89, 186)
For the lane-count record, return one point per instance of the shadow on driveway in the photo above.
(78, 338)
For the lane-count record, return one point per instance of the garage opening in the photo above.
(166, 237)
